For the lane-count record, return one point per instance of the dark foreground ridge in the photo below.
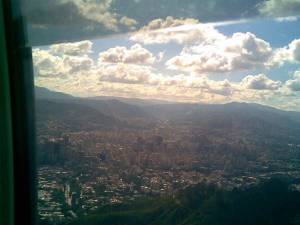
(271, 202)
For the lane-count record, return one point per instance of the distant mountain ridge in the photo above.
(108, 106)
(236, 116)
(44, 93)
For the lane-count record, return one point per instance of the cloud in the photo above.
(169, 22)
(97, 11)
(204, 10)
(294, 84)
(46, 64)
(134, 55)
(127, 73)
(62, 60)
(79, 75)
(182, 31)
(280, 8)
(69, 20)
(287, 19)
(129, 22)
(146, 76)
(294, 49)
(242, 51)
(291, 53)
(260, 82)
(224, 88)
(73, 71)
(80, 12)
(75, 48)
(77, 63)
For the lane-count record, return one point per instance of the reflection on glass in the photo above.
(176, 121)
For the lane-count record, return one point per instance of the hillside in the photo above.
(44, 93)
(55, 117)
(232, 117)
(107, 106)
(269, 203)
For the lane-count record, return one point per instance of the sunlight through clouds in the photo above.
(205, 53)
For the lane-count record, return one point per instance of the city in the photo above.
(82, 171)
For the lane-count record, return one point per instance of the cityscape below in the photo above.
(101, 152)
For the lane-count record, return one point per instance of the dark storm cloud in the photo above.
(280, 8)
(204, 10)
(49, 13)
(67, 20)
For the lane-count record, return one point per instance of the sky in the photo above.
(173, 55)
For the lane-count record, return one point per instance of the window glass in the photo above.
(166, 111)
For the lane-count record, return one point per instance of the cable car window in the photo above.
(166, 112)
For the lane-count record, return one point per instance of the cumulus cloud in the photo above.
(201, 84)
(79, 75)
(98, 11)
(294, 84)
(224, 88)
(75, 48)
(294, 48)
(280, 8)
(242, 51)
(77, 63)
(260, 82)
(145, 76)
(127, 73)
(182, 31)
(62, 60)
(291, 53)
(134, 55)
(209, 51)
(46, 64)
(129, 22)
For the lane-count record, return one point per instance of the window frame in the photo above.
(21, 110)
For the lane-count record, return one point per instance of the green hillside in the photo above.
(269, 203)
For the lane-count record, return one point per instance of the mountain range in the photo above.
(110, 112)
